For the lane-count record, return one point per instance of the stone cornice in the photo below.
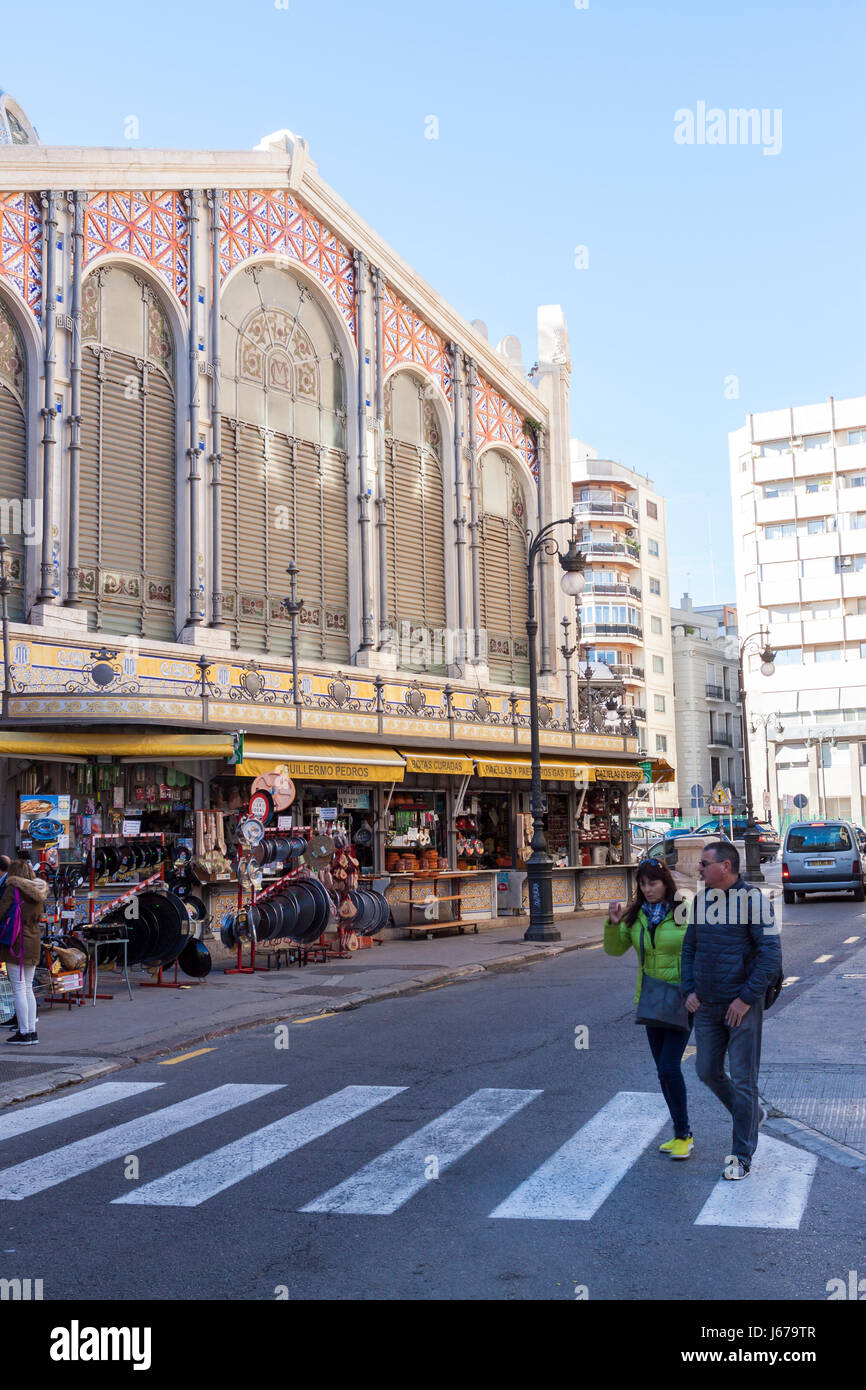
(35, 167)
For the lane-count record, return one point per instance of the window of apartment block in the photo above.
(788, 656)
(856, 480)
(715, 771)
(818, 611)
(656, 624)
(776, 446)
(652, 510)
(857, 436)
(655, 586)
(856, 521)
(778, 489)
(818, 485)
(659, 665)
(784, 613)
(711, 673)
(816, 526)
(780, 532)
(659, 704)
(653, 547)
(863, 754)
(816, 441)
(828, 653)
(661, 743)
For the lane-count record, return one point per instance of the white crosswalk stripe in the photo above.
(571, 1185)
(774, 1195)
(204, 1177)
(574, 1181)
(384, 1185)
(50, 1169)
(73, 1103)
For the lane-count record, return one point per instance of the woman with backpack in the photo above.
(22, 904)
(651, 915)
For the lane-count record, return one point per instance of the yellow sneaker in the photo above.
(682, 1148)
(667, 1147)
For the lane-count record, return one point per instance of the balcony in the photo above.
(613, 630)
(718, 740)
(639, 713)
(606, 509)
(627, 673)
(614, 590)
(605, 549)
(715, 692)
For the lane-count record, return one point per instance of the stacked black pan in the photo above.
(372, 912)
(157, 926)
(279, 849)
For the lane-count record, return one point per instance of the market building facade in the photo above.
(212, 373)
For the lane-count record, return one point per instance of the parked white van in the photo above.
(822, 856)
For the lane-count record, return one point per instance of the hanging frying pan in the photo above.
(143, 933)
(324, 909)
(262, 806)
(195, 960)
(307, 909)
(227, 931)
(198, 913)
(288, 909)
(271, 920)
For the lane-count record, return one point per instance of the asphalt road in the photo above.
(624, 1228)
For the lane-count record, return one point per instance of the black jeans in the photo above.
(739, 1091)
(667, 1046)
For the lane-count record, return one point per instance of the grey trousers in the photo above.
(739, 1091)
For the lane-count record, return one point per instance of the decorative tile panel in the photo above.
(498, 421)
(21, 247)
(597, 890)
(271, 222)
(407, 338)
(149, 226)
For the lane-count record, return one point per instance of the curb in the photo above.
(13, 1091)
(816, 1142)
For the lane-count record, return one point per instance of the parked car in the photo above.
(823, 857)
(768, 837)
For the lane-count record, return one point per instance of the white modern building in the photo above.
(625, 610)
(798, 479)
(706, 704)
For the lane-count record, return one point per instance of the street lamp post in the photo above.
(763, 721)
(754, 642)
(539, 866)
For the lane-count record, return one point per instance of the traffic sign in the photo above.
(766, 801)
(721, 800)
(800, 801)
(647, 770)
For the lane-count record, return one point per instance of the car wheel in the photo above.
(860, 894)
(787, 896)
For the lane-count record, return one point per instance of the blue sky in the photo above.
(556, 130)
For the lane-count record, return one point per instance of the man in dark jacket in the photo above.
(731, 953)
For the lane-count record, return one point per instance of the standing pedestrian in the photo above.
(652, 915)
(22, 903)
(731, 954)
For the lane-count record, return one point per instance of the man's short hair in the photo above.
(725, 850)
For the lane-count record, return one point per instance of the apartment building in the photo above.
(625, 615)
(798, 480)
(707, 711)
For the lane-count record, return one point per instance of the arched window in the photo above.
(284, 467)
(502, 562)
(128, 458)
(19, 518)
(416, 527)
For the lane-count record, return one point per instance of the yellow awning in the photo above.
(140, 745)
(455, 766)
(320, 762)
(606, 772)
(662, 770)
(552, 770)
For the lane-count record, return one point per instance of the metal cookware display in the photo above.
(158, 928)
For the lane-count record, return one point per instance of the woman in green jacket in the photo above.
(652, 911)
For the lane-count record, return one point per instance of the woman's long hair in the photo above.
(21, 868)
(656, 872)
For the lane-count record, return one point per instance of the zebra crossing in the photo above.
(571, 1185)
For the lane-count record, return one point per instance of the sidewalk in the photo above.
(85, 1042)
(813, 1060)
